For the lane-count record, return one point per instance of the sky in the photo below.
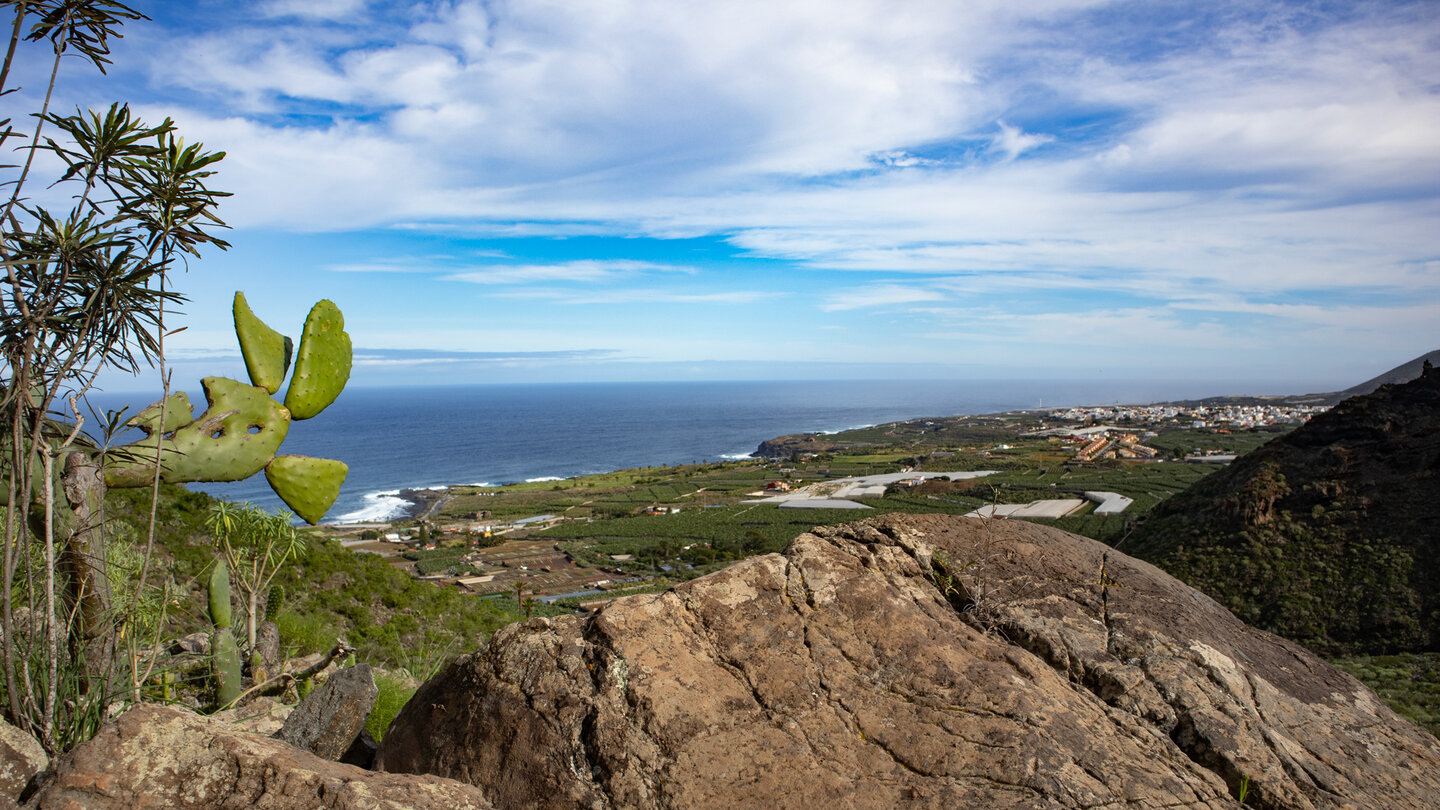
(566, 190)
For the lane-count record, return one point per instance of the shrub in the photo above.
(395, 692)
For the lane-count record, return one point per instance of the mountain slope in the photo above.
(1327, 535)
(1403, 373)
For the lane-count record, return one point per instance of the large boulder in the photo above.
(159, 756)
(922, 661)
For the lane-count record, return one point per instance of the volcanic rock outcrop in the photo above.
(1328, 535)
(921, 661)
(159, 756)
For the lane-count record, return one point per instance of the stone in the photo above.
(161, 756)
(193, 644)
(919, 661)
(21, 758)
(329, 719)
(260, 715)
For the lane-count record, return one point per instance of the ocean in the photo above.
(420, 437)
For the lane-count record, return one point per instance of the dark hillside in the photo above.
(1327, 535)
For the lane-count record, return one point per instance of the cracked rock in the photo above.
(850, 672)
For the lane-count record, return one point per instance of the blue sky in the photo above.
(663, 189)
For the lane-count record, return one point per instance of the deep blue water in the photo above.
(394, 438)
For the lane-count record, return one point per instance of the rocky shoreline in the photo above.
(422, 501)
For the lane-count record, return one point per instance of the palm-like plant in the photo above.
(84, 288)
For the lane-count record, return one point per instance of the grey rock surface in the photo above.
(21, 757)
(329, 719)
(918, 661)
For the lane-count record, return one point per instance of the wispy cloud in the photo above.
(420, 357)
(1013, 142)
(878, 295)
(646, 296)
(379, 267)
(584, 271)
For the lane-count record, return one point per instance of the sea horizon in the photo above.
(396, 438)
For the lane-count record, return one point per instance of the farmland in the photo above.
(645, 527)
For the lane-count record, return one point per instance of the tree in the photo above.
(88, 289)
(84, 288)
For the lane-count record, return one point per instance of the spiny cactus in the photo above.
(234, 439)
(224, 654)
(308, 485)
(242, 427)
(274, 600)
(323, 365)
(267, 352)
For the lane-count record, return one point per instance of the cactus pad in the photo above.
(178, 413)
(234, 439)
(267, 352)
(218, 595)
(226, 664)
(322, 366)
(307, 485)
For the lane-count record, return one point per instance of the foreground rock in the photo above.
(21, 757)
(157, 756)
(913, 661)
(328, 721)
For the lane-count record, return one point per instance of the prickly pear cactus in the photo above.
(224, 654)
(218, 593)
(234, 439)
(307, 485)
(267, 352)
(243, 427)
(323, 365)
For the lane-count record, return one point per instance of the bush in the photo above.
(395, 692)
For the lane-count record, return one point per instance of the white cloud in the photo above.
(1260, 162)
(313, 9)
(645, 296)
(1013, 142)
(585, 271)
(877, 295)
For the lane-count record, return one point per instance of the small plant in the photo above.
(224, 654)
(394, 692)
(253, 545)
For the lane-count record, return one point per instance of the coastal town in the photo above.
(1198, 416)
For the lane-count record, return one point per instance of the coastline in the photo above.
(422, 501)
(417, 502)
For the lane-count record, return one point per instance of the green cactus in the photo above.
(322, 366)
(218, 592)
(307, 485)
(242, 427)
(267, 352)
(224, 653)
(274, 600)
(234, 439)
